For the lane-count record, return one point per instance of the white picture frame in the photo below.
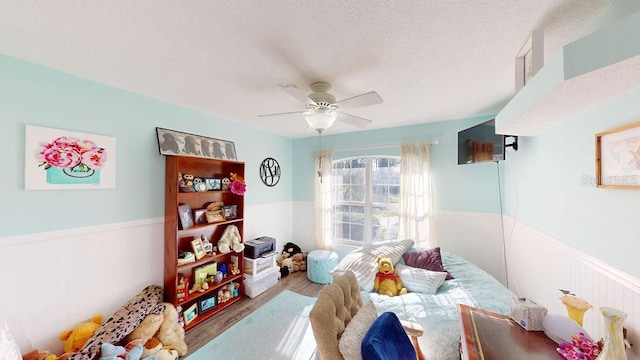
(89, 160)
(530, 58)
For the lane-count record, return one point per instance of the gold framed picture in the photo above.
(198, 248)
(618, 157)
(190, 313)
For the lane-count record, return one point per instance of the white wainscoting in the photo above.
(303, 225)
(540, 265)
(273, 220)
(52, 281)
(475, 237)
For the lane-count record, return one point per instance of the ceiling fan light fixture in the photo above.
(321, 120)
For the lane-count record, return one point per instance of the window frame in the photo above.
(367, 204)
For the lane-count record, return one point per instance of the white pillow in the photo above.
(420, 280)
(8, 348)
(363, 261)
(351, 340)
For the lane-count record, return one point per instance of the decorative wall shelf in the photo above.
(586, 73)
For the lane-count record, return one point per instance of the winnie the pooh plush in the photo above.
(388, 282)
(75, 339)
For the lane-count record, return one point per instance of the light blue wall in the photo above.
(472, 188)
(618, 10)
(551, 187)
(36, 95)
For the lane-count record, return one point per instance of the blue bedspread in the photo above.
(438, 314)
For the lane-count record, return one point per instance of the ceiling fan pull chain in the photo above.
(320, 156)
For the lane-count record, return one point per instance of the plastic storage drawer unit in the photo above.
(256, 286)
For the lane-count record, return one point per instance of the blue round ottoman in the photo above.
(319, 263)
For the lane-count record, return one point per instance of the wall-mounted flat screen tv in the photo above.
(480, 143)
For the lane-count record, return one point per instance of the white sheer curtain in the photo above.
(323, 203)
(416, 204)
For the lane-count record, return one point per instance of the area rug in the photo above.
(279, 329)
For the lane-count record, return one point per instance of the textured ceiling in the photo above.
(429, 60)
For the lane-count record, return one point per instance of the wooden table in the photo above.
(487, 335)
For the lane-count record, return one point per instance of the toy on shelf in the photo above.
(185, 182)
(223, 270)
(199, 287)
(233, 266)
(208, 246)
(230, 240)
(182, 290)
(225, 183)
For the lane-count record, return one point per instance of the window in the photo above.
(366, 199)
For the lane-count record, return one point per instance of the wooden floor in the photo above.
(217, 324)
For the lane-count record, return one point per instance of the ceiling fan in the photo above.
(322, 109)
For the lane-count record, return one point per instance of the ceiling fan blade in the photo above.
(290, 113)
(370, 98)
(297, 93)
(354, 120)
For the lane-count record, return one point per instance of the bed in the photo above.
(437, 313)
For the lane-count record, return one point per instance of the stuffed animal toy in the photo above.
(75, 339)
(225, 183)
(236, 177)
(38, 355)
(132, 351)
(234, 269)
(286, 259)
(167, 354)
(299, 262)
(110, 351)
(147, 329)
(171, 334)
(160, 331)
(388, 282)
(291, 249)
(230, 240)
(188, 180)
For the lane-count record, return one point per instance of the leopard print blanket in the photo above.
(123, 322)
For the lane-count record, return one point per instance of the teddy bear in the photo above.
(74, 339)
(230, 240)
(38, 355)
(299, 262)
(387, 282)
(159, 332)
(291, 259)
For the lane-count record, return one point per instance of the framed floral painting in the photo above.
(63, 159)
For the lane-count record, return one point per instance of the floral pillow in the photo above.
(429, 259)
